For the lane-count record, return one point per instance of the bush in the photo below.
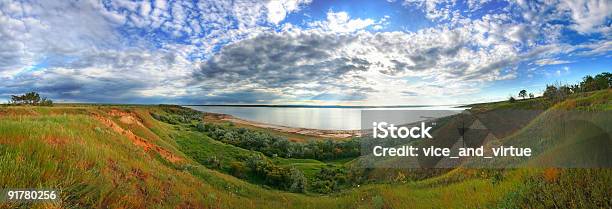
(551, 92)
(298, 181)
(329, 180)
(238, 169)
(200, 127)
(324, 187)
(290, 179)
(272, 145)
(177, 115)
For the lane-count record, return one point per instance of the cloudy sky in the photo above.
(381, 52)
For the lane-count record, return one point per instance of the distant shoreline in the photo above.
(327, 106)
(341, 134)
(313, 131)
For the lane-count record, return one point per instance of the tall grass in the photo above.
(64, 148)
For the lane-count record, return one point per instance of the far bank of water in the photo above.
(323, 118)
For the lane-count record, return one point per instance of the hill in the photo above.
(124, 156)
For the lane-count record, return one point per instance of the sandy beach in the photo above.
(339, 134)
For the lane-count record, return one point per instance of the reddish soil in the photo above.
(126, 117)
(137, 140)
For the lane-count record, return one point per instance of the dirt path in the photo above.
(137, 140)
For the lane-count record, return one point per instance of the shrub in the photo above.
(177, 115)
(238, 169)
(201, 127)
(298, 181)
(329, 180)
(272, 145)
(290, 179)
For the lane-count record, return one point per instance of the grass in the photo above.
(93, 166)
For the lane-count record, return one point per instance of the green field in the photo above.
(85, 152)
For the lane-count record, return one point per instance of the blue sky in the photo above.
(387, 52)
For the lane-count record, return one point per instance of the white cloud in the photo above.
(341, 22)
(434, 9)
(549, 61)
(346, 64)
(588, 15)
(278, 9)
(90, 46)
(32, 31)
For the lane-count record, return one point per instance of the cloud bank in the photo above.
(276, 52)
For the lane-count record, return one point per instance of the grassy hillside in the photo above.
(121, 157)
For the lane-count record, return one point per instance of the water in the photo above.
(323, 118)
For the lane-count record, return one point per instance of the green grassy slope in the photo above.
(67, 148)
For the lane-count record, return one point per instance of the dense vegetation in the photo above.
(263, 169)
(273, 146)
(256, 165)
(286, 178)
(559, 92)
(176, 115)
(589, 83)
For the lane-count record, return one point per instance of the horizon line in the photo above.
(320, 106)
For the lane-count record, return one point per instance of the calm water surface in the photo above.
(334, 118)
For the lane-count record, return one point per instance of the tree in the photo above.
(575, 88)
(603, 81)
(523, 93)
(551, 92)
(30, 98)
(531, 95)
(46, 102)
(588, 84)
(565, 91)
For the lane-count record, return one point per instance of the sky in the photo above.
(329, 52)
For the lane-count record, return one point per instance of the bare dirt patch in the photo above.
(137, 140)
(126, 117)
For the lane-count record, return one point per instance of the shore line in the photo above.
(341, 134)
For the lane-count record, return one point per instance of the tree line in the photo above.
(260, 168)
(272, 145)
(30, 98)
(559, 92)
(177, 115)
(588, 83)
(291, 179)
